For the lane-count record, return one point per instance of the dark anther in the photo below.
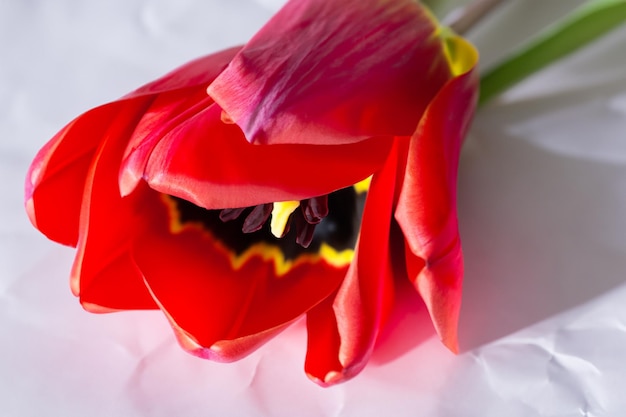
(304, 230)
(229, 214)
(315, 209)
(257, 218)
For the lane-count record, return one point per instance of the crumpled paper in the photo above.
(542, 197)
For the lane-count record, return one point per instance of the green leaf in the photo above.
(583, 25)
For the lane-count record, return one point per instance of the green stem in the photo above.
(582, 26)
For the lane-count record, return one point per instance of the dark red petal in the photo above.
(350, 325)
(426, 209)
(56, 177)
(317, 73)
(203, 159)
(225, 305)
(104, 274)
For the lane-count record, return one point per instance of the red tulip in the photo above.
(168, 192)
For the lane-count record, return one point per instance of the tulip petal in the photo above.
(321, 74)
(223, 304)
(226, 350)
(223, 350)
(166, 112)
(323, 343)
(342, 334)
(426, 209)
(203, 158)
(104, 274)
(179, 96)
(56, 177)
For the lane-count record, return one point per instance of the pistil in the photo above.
(281, 214)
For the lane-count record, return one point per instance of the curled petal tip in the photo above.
(213, 353)
(331, 378)
(190, 345)
(97, 309)
(452, 344)
(29, 204)
(334, 377)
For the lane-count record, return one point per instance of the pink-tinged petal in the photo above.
(426, 209)
(202, 159)
(222, 305)
(56, 177)
(180, 95)
(439, 283)
(320, 73)
(350, 325)
(104, 274)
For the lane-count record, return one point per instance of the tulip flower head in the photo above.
(303, 174)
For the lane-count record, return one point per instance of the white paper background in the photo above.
(542, 203)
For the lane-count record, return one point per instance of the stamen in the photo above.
(257, 218)
(304, 230)
(281, 213)
(311, 213)
(315, 209)
(229, 214)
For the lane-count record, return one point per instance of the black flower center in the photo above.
(306, 214)
(332, 220)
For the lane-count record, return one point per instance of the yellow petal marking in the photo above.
(462, 56)
(266, 251)
(362, 186)
(334, 257)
